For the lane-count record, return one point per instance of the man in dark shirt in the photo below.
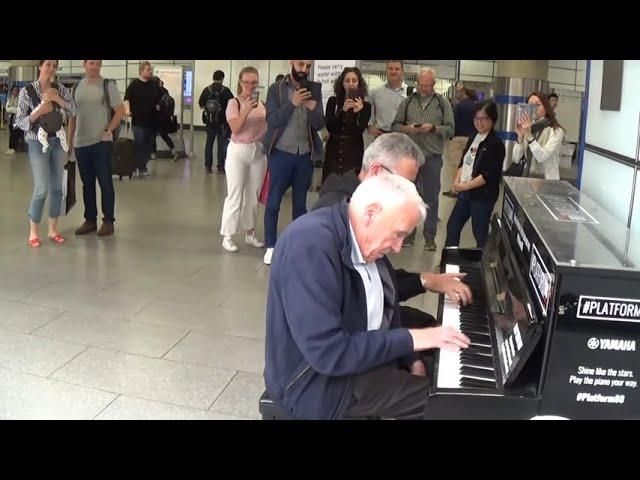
(217, 126)
(463, 117)
(142, 100)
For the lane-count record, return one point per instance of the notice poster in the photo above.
(172, 78)
(326, 72)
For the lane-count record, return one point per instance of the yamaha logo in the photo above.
(611, 344)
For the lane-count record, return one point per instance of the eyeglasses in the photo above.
(481, 119)
(249, 84)
(382, 166)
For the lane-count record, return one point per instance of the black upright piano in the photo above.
(555, 322)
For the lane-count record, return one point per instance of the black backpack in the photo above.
(213, 106)
(167, 105)
(105, 101)
(50, 122)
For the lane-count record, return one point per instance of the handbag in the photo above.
(68, 187)
(515, 169)
(264, 191)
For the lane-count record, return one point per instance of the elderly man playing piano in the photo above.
(334, 345)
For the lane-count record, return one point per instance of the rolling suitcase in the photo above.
(124, 159)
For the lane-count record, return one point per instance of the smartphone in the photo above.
(304, 83)
(530, 110)
(255, 96)
(352, 94)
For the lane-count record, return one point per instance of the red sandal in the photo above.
(34, 242)
(57, 238)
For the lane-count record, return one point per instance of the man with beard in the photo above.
(292, 143)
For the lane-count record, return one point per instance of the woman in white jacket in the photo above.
(539, 143)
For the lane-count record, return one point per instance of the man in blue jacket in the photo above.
(292, 144)
(333, 341)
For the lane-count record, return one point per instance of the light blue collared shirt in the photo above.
(372, 284)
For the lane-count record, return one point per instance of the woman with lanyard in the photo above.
(477, 180)
(539, 142)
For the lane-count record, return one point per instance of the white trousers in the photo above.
(245, 167)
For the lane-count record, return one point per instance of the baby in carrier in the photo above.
(51, 123)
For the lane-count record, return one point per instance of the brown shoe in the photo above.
(86, 227)
(106, 229)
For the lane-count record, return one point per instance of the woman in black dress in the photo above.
(347, 117)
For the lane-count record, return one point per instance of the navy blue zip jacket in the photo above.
(317, 337)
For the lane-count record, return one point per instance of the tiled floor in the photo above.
(156, 322)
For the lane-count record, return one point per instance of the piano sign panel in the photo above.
(541, 279)
(609, 308)
(508, 211)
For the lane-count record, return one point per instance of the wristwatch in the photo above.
(530, 139)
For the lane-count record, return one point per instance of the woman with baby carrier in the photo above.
(40, 116)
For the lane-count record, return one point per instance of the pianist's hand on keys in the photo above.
(450, 284)
(447, 338)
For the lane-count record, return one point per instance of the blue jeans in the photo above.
(94, 162)
(480, 213)
(47, 169)
(144, 137)
(286, 169)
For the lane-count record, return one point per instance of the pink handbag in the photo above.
(264, 191)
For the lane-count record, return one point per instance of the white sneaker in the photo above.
(152, 156)
(252, 240)
(11, 151)
(267, 256)
(228, 245)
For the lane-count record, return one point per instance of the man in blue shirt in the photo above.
(463, 114)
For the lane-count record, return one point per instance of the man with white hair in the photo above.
(396, 153)
(334, 347)
(428, 119)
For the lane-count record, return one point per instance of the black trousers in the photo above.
(14, 134)
(392, 391)
(213, 132)
(388, 392)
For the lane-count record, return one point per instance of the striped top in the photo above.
(26, 106)
(420, 110)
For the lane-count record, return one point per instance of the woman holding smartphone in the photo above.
(347, 116)
(245, 163)
(539, 142)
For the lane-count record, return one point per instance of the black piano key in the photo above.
(478, 338)
(473, 383)
(478, 360)
(467, 371)
(481, 329)
(480, 350)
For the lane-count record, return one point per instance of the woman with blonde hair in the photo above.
(245, 164)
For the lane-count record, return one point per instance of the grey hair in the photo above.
(389, 191)
(429, 70)
(389, 149)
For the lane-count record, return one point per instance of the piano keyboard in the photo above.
(471, 367)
